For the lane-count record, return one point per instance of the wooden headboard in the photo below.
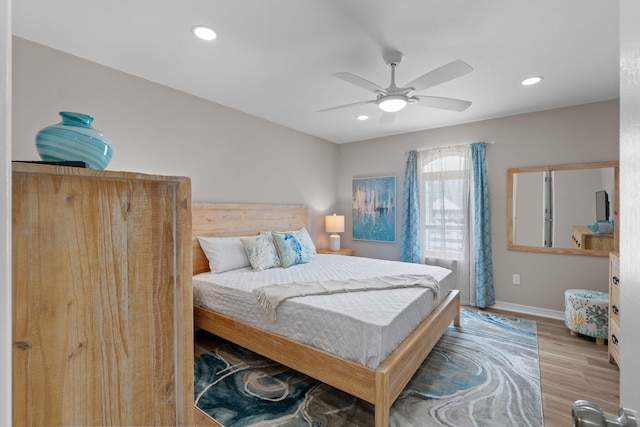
(227, 219)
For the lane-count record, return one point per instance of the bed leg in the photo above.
(382, 402)
(456, 320)
(382, 416)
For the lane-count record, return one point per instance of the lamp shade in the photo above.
(334, 223)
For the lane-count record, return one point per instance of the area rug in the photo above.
(483, 373)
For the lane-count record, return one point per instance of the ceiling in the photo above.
(275, 59)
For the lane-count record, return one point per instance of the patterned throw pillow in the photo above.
(261, 252)
(293, 247)
(302, 235)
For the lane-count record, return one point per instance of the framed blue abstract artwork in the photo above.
(373, 213)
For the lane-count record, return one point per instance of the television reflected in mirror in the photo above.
(551, 208)
(602, 206)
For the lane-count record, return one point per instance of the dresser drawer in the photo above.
(614, 270)
(614, 342)
(614, 308)
(614, 302)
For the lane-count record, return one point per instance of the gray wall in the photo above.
(528, 228)
(586, 133)
(234, 157)
(230, 156)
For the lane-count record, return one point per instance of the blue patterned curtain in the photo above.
(410, 236)
(482, 228)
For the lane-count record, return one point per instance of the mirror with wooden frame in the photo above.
(555, 208)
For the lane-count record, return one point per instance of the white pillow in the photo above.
(224, 253)
(261, 252)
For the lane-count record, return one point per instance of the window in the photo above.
(445, 190)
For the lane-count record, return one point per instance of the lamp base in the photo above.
(334, 242)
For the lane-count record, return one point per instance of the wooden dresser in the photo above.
(102, 299)
(614, 308)
(583, 238)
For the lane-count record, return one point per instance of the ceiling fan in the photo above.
(394, 98)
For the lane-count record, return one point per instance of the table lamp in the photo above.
(334, 224)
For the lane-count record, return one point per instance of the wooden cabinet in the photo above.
(102, 299)
(583, 238)
(614, 308)
(342, 251)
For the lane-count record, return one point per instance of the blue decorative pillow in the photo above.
(292, 248)
(302, 235)
(261, 252)
(305, 239)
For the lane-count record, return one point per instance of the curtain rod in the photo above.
(452, 145)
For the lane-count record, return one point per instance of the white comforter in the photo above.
(361, 326)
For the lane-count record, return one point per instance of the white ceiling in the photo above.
(274, 58)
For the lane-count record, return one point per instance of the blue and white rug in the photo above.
(484, 373)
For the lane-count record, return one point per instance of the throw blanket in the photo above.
(271, 296)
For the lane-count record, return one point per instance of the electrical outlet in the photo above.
(516, 279)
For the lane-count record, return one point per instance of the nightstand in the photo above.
(342, 251)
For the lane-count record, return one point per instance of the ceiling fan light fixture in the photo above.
(204, 33)
(392, 103)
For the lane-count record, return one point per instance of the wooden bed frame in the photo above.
(380, 386)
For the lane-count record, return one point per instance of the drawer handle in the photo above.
(616, 280)
(615, 310)
(614, 339)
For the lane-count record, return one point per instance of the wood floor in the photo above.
(571, 368)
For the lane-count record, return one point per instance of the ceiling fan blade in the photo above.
(444, 103)
(387, 118)
(359, 81)
(345, 106)
(447, 72)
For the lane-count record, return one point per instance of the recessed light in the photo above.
(531, 81)
(362, 117)
(204, 33)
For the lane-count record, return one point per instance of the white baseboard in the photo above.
(527, 309)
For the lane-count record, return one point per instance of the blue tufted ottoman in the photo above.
(587, 313)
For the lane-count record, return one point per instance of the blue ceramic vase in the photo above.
(74, 139)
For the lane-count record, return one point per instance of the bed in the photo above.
(380, 383)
